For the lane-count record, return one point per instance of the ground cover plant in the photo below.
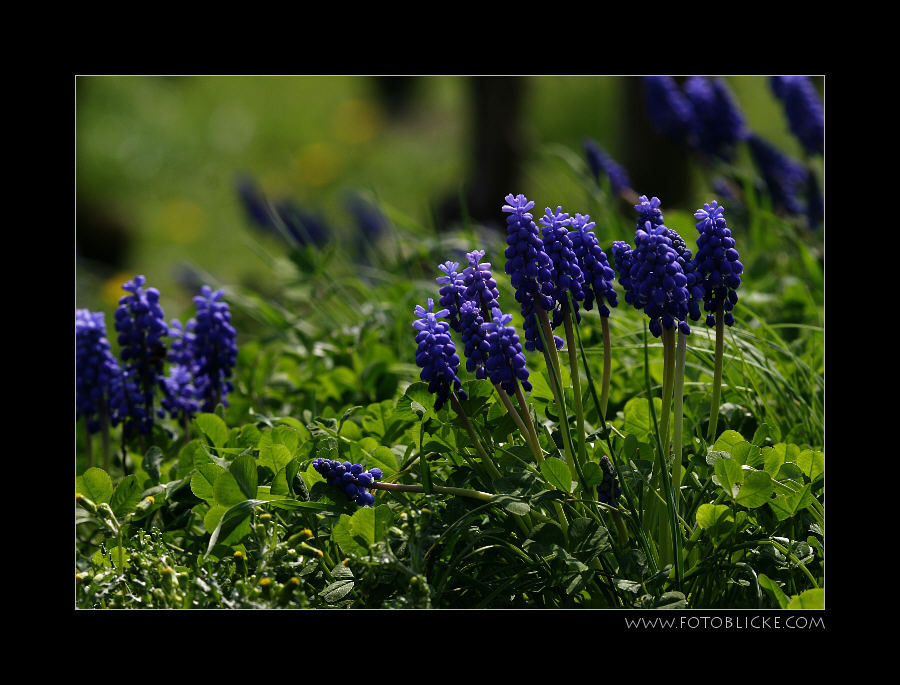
(614, 410)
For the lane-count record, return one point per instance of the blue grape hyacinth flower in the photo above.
(452, 292)
(671, 113)
(436, 354)
(720, 124)
(141, 327)
(567, 275)
(475, 345)
(653, 278)
(717, 262)
(803, 107)
(649, 210)
(479, 283)
(600, 163)
(505, 364)
(608, 491)
(784, 177)
(598, 274)
(529, 267)
(214, 349)
(96, 369)
(350, 478)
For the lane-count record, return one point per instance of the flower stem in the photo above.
(576, 382)
(678, 427)
(717, 372)
(485, 459)
(441, 489)
(511, 410)
(668, 339)
(555, 375)
(607, 365)
(526, 414)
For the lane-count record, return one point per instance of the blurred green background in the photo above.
(157, 159)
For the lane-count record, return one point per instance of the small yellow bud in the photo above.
(265, 517)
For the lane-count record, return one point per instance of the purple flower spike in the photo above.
(717, 262)
(436, 354)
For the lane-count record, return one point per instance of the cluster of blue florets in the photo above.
(506, 362)
(805, 114)
(598, 275)
(475, 346)
(718, 262)
(567, 275)
(784, 177)
(452, 292)
(703, 116)
(436, 354)
(529, 267)
(201, 355)
(478, 282)
(652, 274)
(350, 478)
(97, 371)
(141, 327)
(600, 162)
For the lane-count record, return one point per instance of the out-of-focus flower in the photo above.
(214, 349)
(96, 369)
(141, 326)
(719, 121)
(784, 177)
(601, 163)
(804, 110)
(670, 112)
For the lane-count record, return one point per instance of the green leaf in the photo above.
(748, 454)
(204, 479)
(588, 538)
(95, 484)
(342, 533)
(557, 474)
(227, 491)
(811, 599)
(234, 525)
(383, 458)
(152, 462)
(756, 489)
(415, 404)
(772, 460)
(341, 587)
(774, 590)
(811, 463)
(212, 427)
(727, 441)
(786, 506)
(713, 517)
(729, 475)
(126, 496)
(243, 468)
(637, 417)
(275, 457)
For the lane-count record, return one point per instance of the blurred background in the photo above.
(173, 174)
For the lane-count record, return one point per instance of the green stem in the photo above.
(576, 383)
(717, 373)
(607, 365)
(511, 410)
(526, 414)
(441, 489)
(668, 340)
(554, 369)
(485, 459)
(88, 446)
(678, 428)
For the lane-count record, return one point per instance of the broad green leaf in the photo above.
(810, 599)
(343, 535)
(512, 504)
(383, 458)
(786, 506)
(711, 515)
(234, 524)
(729, 475)
(756, 489)
(811, 463)
(774, 590)
(748, 454)
(772, 460)
(213, 516)
(203, 480)
(588, 538)
(362, 524)
(111, 558)
(243, 468)
(126, 496)
(95, 484)
(341, 587)
(638, 420)
(227, 490)
(275, 456)
(727, 441)
(593, 474)
(557, 474)
(213, 427)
